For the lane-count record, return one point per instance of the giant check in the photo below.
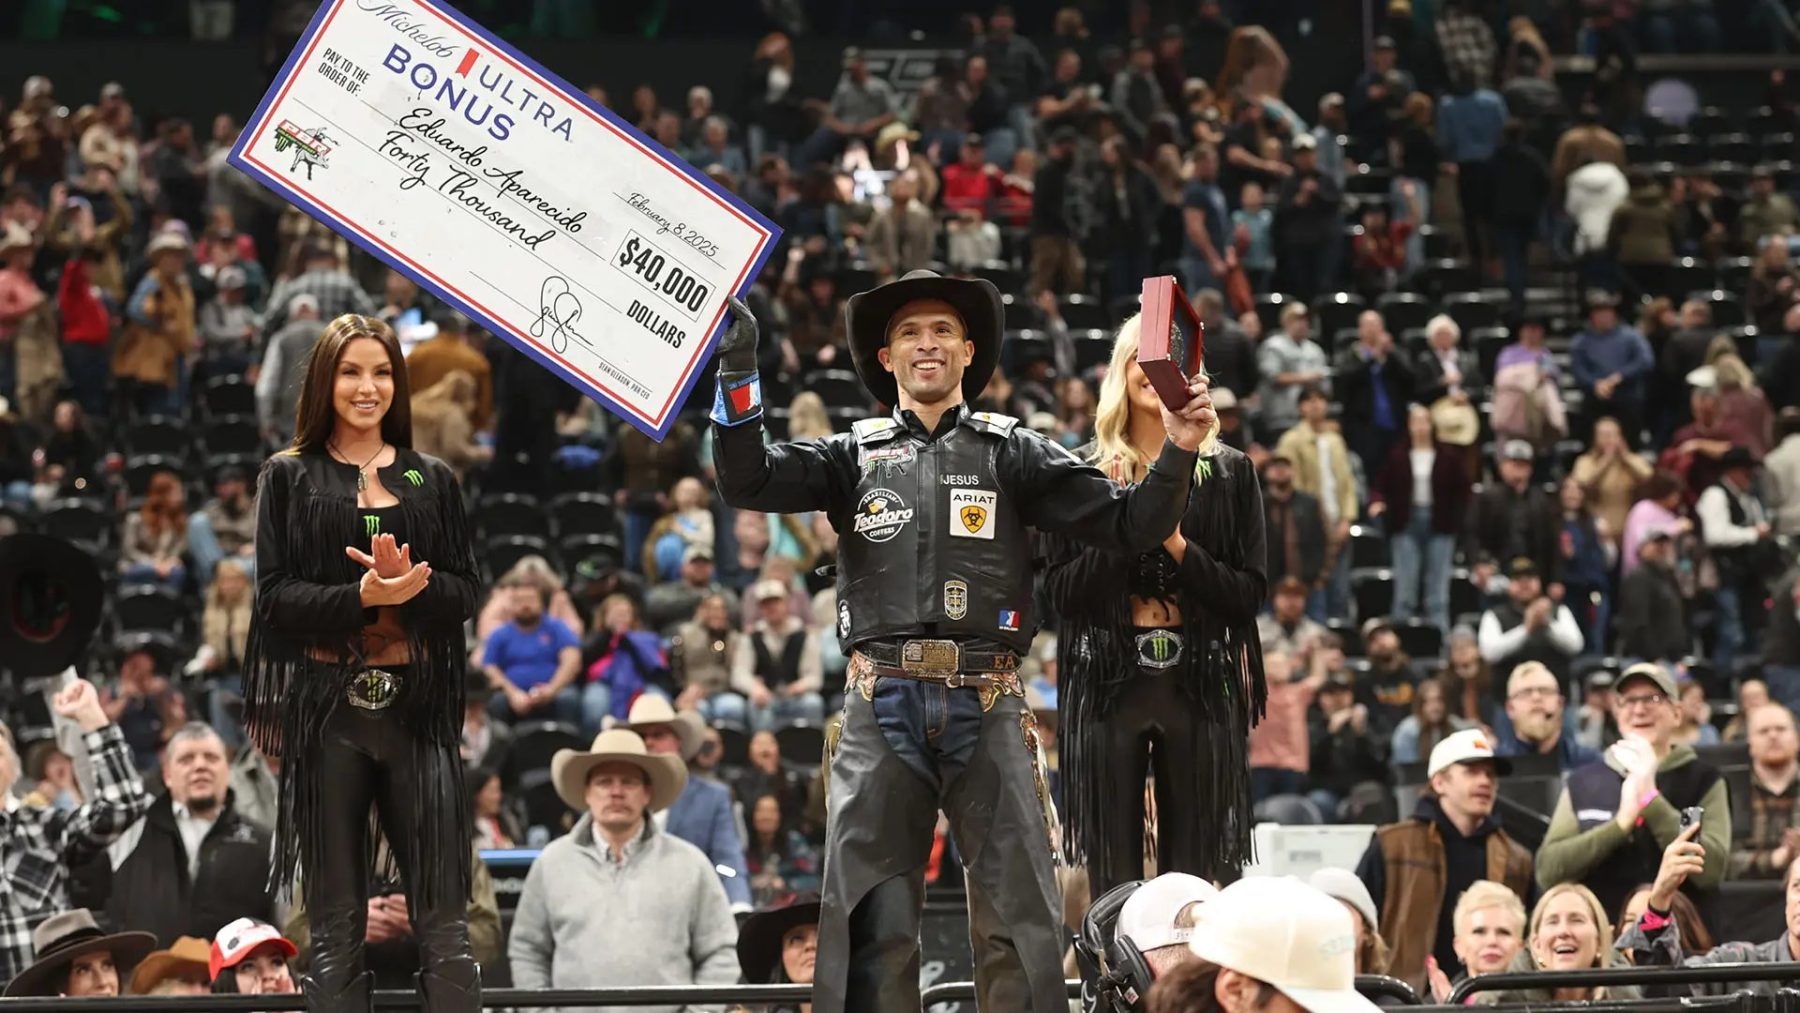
(498, 186)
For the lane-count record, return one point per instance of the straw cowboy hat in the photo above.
(185, 960)
(70, 934)
(650, 709)
(569, 768)
(15, 237)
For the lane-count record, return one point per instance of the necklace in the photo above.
(362, 470)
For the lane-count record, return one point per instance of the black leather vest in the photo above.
(933, 546)
(779, 670)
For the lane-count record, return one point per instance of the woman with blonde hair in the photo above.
(1741, 401)
(807, 419)
(1255, 69)
(1489, 926)
(442, 425)
(1161, 666)
(1568, 932)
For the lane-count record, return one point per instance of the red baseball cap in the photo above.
(240, 939)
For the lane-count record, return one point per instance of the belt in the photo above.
(373, 689)
(922, 658)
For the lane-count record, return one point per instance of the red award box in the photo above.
(1171, 340)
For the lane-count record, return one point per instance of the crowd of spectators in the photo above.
(1522, 398)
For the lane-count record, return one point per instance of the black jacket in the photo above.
(1309, 532)
(1651, 621)
(152, 892)
(1428, 377)
(1490, 528)
(1311, 223)
(1353, 381)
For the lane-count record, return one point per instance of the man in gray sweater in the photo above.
(618, 901)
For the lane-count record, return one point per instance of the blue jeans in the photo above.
(933, 729)
(1514, 240)
(1196, 275)
(1415, 243)
(1686, 31)
(17, 493)
(596, 700)
(807, 708)
(203, 545)
(1422, 555)
(637, 532)
(1784, 685)
(727, 707)
(144, 573)
(565, 707)
(1337, 586)
(1732, 639)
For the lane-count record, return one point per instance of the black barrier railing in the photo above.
(493, 998)
(1381, 986)
(1705, 974)
(1741, 1002)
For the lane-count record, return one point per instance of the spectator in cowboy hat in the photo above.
(182, 969)
(701, 815)
(1268, 943)
(778, 944)
(251, 957)
(567, 933)
(76, 958)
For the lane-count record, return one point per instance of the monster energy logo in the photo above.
(371, 525)
(413, 476)
(1159, 648)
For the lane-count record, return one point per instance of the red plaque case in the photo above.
(1171, 341)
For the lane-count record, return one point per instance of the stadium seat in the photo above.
(1348, 635)
(17, 519)
(228, 395)
(1125, 307)
(503, 552)
(734, 744)
(1682, 149)
(1437, 243)
(1019, 347)
(1289, 810)
(857, 277)
(1488, 343)
(1368, 547)
(1268, 310)
(1777, 147)
(1020, 313)
(140, 470)
(150, 609)
(1372, 590)
(838, 388)
(535, 743)
(83, 521)
(1092, 349)
(232, 434)
(1004, 276)
(1727, 307)
(511, 513)
(1438, 277)
(1367, 180)
(1683, 275)
(583, 513)
(1403, 311)
(1420, 638)
(1472, 310)
(1335, 310)
(1738, 149)
(1082, 312)
(1709, 121)
(161, 435)
(1734, 273)
(578, 547)
(543, 806)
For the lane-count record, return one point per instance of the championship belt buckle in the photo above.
(373, 689)
(1159, 649)
(931, 657)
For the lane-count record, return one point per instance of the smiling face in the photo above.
(265, 972)
(1642, 709)
(1567, 937)
(364, 386)
(1467, 789)
(1534, 704)
(927, 351)
(1492, 938)
(1139, 389)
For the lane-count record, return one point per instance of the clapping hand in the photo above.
(389, 559)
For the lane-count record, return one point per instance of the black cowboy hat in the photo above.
(64, 937)
(759, 937)
(868, 314)
(50, 603)
(1738, 456)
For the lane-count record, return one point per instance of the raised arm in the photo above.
(120, 796)
(1059, 493)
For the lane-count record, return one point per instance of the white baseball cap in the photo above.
(1345, 886)
(1278, 930)
(1464, 747)
(1157, 914)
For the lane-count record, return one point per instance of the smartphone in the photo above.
(1691, 816)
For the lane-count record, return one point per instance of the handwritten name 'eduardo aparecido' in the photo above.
(466, 182)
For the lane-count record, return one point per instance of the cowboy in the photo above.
(932, 505)
(567, 931)
(75, 958)
(182, 969)
(701, 815)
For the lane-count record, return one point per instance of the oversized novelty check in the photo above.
(498, 186)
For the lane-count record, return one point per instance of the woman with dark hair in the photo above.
(1160, 662)
(354, 666)
(778, 857)
(1696, 939)
(1432, 720)
(156, 535)
(250, 957)
(1658, 508)
(1423, 490)
(494, 826)
(779, 945)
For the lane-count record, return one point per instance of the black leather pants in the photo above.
(370, 758)
(1154, 725)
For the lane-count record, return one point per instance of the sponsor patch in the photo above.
(880, 515)
(956, 599)
(894, 457)
(972, 513)
(1009, 620)
(843, 621)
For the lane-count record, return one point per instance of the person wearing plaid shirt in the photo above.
(1773, 836)
(1467, 42)
(323, 277)
(35, 843)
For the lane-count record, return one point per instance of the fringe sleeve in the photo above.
(449, 597)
